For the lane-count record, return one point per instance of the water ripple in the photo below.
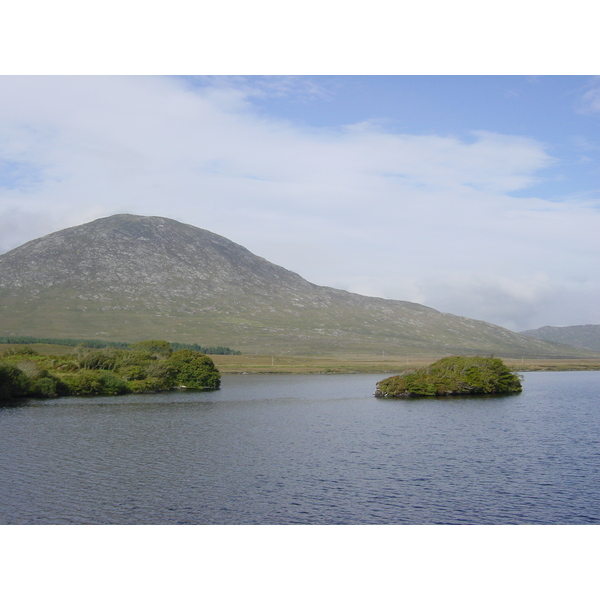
(306, 450)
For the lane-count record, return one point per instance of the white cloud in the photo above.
(425, 218)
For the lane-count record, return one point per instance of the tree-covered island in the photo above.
(148, 366)
(452, 376)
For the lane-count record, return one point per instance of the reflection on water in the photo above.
(306, 449)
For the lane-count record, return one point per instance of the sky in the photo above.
(474, 195)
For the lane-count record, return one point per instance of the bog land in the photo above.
(345, 363)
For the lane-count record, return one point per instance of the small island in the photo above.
(148, 366)
(452, 376)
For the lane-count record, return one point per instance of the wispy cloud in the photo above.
(589, 102)
(298, 89)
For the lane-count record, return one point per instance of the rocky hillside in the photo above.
(583, 336)
(131, 278)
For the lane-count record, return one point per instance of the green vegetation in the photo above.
(27, 339)
(193, 370)
(455, 375)
(143, 367)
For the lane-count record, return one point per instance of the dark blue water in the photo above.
(278, 449)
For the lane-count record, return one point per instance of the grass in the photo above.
(346, 362)
(350, 363)
(336, 331)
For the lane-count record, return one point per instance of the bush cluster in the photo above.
(142, 367)
(16, 383)
(26, 339)
(455, 375)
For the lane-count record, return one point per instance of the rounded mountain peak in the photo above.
(137, 255)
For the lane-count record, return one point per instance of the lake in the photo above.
(306, 449)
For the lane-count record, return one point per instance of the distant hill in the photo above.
(130, 278)
(582, 336)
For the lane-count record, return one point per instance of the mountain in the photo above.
(130, 278)
(582, 336)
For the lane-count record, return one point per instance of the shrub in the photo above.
(85, 383)
(48, 386)
(148, 366)
(93, 383)
(133, 373)
(194, 370)
(161, 372)
(13, 382)
(113, 385)
(140, 386)
(105, 359)
(455, 375)
(140, 358)
(62, 364)
(158, 384)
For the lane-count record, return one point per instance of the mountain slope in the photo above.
(583, 336)
(128, 277)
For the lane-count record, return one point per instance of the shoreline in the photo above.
(350, 363)
(273, 364)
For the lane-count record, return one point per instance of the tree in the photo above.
(453, 375)
(194, 370)
(105, 359)
(13, 382)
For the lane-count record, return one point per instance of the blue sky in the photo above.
(476, 195)
(552, 109)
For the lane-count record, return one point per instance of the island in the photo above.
(452, 376)
(147, 366)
